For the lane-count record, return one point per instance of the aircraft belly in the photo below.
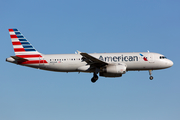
(133, 66)
(143, 66)
(64, 67)
(31, 65)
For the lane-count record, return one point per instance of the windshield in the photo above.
(162, 57)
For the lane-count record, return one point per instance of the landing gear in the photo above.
(151, 77)
(94, 78)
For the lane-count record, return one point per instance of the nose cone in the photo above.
(169, 63)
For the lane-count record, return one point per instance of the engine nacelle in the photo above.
(103, 74)
(113, 70)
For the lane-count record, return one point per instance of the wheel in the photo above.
(151, 77)
(94, 79)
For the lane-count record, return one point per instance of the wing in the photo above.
(90, 60)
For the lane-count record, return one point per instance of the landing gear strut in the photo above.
(151, 77)
(94, 78)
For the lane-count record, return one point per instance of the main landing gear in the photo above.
(94, 78)
(151, 77)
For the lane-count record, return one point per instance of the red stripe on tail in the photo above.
(11, 30)
(34, 62)
(19, 50)
(16, 43)
(28, 56)
(13, 36)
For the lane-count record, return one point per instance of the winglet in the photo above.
(78, 52)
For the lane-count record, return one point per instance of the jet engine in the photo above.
(115, 70)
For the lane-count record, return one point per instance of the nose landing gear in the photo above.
(151, 77)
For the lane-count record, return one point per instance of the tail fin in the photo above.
(21, 45)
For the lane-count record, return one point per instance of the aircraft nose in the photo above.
(170, 63)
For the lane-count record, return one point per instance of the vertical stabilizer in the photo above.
(24, 49)
(20, 44)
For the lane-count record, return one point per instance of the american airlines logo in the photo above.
(144, 58)
(118, 58)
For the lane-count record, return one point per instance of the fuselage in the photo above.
(74, 63)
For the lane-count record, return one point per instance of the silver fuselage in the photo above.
(74, 63)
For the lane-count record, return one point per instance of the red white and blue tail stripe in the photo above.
(20, 44)
(23, 48)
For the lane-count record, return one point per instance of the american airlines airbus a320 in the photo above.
(106, 64)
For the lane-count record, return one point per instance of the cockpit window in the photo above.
(162, 57)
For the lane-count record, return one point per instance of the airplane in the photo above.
(104, 64)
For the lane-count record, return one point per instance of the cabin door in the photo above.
(151, 58)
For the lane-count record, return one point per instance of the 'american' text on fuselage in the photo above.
(118, 58)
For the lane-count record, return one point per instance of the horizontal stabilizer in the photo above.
(19, 58)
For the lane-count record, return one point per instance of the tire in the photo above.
(151, 77)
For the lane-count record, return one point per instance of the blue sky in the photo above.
(91, 26)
